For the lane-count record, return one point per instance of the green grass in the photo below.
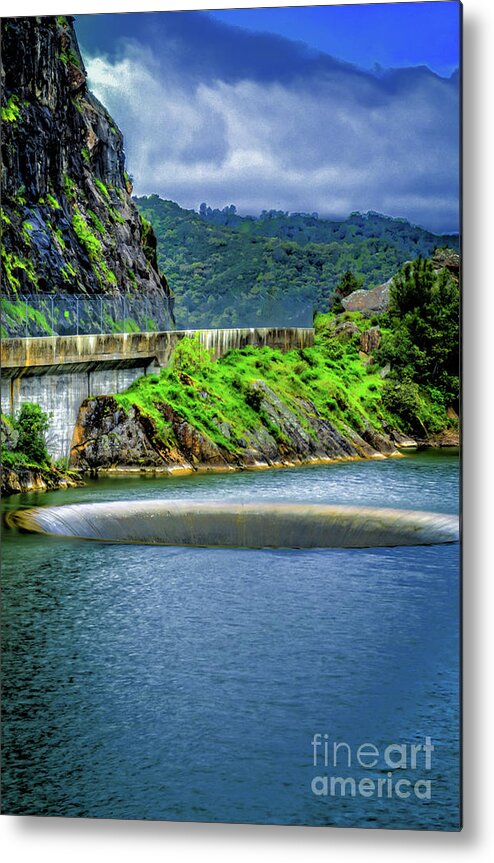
(332, 375)
(207, 394)
(52, 202)
(98, 224)
(102, 188)
(13, 263)
(11, 111)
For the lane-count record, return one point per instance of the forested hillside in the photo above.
(231, 270)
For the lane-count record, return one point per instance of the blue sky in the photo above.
(330, 108)
(402, 34)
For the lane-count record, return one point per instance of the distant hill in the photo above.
(231, 270)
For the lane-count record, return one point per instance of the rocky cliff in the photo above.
(109, 437)
(68, 222)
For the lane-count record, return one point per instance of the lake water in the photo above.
(188, 684)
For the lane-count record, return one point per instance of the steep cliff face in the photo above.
(68, 221)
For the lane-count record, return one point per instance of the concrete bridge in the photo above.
(60, 372)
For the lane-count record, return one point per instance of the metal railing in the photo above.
(38, 315)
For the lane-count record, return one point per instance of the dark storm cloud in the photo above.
(215, 113)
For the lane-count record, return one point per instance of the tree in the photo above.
(190, 356)
(32, 423)
(412, 288)
(423, 344)
(346, 286)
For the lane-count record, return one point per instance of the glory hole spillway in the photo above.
(240, 525)
(60, 372)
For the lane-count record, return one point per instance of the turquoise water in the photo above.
(188, 684)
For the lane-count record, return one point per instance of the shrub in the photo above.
(32, 423)
(190, 356)
(402, 398)
(11, 112)
(253, 398)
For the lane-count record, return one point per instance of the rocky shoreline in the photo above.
(111, 439)
(21, 479)
(24, 480)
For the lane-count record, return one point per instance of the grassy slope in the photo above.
(331, 374)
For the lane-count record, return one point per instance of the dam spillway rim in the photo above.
(216, 524)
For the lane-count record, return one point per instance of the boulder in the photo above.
(447, 259)
(402, 441)
(345, 331)
(370, 340)
(369, 302)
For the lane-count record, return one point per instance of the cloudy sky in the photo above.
(329, 108)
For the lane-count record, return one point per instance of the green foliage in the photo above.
(115, 216)
(224, 269)
(70, 56)
(13, 263)
(14, 315)
(26, 229)
(59, 236)
(402, 398)
(190, 356)
(68, 273)
(11, 111)
(110, 277)
(86, 237)
(98, 224)
(52, 202)
(70, 188)
(93, 247)
(209, 394)
(347, 285)
(422, 344)
(12, 458)
(85, 155)
(132, 277)
(32, 423)
(102, 188)
(147, 240)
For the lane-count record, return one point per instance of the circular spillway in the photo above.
(240, 525)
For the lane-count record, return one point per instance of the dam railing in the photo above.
(44, 315)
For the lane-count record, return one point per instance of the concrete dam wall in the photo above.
(60, 372)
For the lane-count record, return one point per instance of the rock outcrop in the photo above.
(370, 340)
(376, 300)
(447, 259)
(26, 479)
(17, 477)
(69, 224)
(109, 437)
(368, 302)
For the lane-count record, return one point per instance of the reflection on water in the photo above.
(189, 683)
